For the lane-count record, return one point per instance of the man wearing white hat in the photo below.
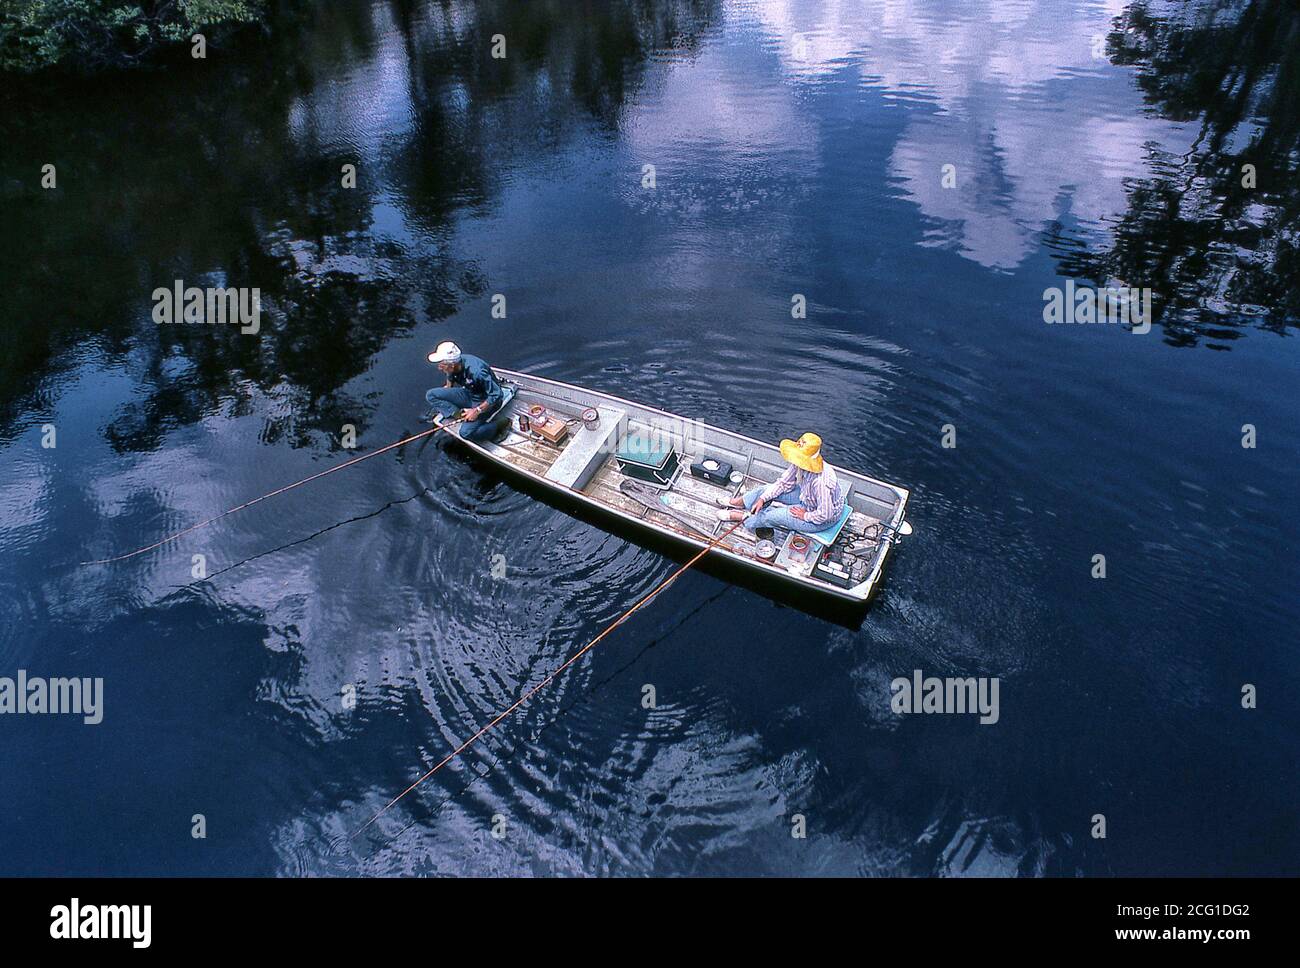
(471, 387)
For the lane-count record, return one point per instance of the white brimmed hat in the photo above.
(447, 352)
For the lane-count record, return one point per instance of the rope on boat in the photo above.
(280, 490)
(550, 677)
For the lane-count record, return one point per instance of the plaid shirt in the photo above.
(820, 494)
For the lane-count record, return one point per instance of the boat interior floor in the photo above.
(689, 504)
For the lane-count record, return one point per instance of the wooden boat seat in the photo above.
(587, 449)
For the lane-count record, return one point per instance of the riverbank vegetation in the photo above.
(91, 35)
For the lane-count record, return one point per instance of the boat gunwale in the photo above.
(902, 492)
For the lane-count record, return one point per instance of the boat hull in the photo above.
(732, 564)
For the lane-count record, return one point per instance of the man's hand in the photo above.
(758, 506)
(798, 512)
(472, 413)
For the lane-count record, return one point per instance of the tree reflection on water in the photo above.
(229, 175)
(1220, 256)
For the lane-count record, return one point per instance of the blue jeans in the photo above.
(776, 512)
(451, 400)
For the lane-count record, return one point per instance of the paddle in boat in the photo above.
(668, 475)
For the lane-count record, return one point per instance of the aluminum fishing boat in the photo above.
(663, 475)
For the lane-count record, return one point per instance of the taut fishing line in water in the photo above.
(503, 758)
(550, 676)
(279, 490)
(311, 537)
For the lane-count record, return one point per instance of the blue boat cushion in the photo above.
(832, 531)
(507, 394)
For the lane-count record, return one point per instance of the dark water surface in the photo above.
(798, 148)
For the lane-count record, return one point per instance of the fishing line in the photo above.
(311, 537)
(280, 490)
(550, 676)
(509, 755)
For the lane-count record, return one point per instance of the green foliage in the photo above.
(94, 34)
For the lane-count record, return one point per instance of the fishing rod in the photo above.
(549, 678)
(279, 490)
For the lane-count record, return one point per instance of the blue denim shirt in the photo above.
(477, 377)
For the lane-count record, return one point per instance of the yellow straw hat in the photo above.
(806, 452)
